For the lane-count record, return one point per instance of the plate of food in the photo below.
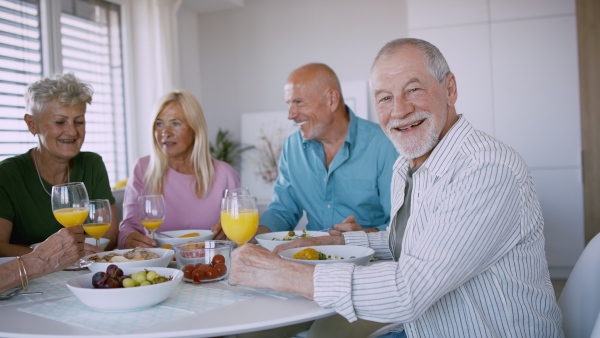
(158, 284)
(167, 239)
(328, 254)
(270, 240)
(130, 258)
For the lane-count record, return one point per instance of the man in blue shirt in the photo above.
(337, 167)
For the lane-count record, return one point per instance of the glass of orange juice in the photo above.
(99, 219)
(239, 217)
(70, 203)
(151, 212)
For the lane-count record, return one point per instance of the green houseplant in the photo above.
(227, 150)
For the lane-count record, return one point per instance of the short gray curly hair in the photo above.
(66, 88)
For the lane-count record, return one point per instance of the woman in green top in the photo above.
(56, 115)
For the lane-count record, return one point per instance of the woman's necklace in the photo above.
(40, 176)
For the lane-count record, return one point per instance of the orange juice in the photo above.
(240, 226)
(152, 224)
(69, 217)
(96, 230)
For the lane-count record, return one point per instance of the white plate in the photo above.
(124, 299)
(266, 240)
(88, 240)
(205, 235)
(362, 254)
(165, 257)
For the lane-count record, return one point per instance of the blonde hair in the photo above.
(201, 160)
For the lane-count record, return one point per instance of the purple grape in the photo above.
(108, 283)
(97, 277)
(114, 271)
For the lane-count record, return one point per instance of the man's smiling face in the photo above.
(411, 104)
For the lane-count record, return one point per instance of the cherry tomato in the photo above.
(187, 271)
(221, 268)
(202, 267)
(211, 273)
(218, 259)
(197, 275)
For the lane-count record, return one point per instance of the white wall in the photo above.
(246, 54)
(515, 63)
(517, 74)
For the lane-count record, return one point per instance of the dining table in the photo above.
(192, 310)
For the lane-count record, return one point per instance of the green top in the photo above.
(24, 202)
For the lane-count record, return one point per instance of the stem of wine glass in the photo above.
(97, 242)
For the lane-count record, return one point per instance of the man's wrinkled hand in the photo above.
(349, 224)
(309, 241)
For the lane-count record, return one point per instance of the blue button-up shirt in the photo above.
(357, 182)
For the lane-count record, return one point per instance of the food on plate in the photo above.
(137, 254)
(314, 255)
(198, 272)
(167, 246)
(291, 236)
(193, 234)
(114, 278)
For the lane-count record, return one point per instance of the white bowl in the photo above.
(165, 257)
(124, 299)
(205, 235)
(88, 240)
(362, 255)
(266, 240)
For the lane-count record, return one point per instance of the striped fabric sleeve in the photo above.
(378, 241)
(482, 203)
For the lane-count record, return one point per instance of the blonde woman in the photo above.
(181, 169)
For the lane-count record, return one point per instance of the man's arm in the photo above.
(475, 222)
(257, 267)
(283, 212)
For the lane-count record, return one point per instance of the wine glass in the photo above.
(151, 212)
(239, 217)
(70, 206)
(70, 203)
(99, 219)
(236, 192)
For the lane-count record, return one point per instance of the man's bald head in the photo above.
(317, 75)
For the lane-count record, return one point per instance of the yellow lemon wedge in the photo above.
(193, 234)
(167, 246)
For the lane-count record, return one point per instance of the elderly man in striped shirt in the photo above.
(466, 234)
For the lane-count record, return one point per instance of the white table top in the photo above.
(257, 313)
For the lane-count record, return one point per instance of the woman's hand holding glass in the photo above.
(151, 212)
(239, 217)
(71, 205)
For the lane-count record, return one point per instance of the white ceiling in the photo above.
(204, 6)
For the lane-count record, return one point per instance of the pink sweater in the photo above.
(184, 209)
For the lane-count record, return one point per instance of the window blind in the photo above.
(20, 64)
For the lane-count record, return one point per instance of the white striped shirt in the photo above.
(472, 261)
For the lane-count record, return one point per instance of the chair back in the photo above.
(580, 299)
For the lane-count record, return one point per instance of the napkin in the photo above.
(71, 311)
(186, 300)
(51, 286)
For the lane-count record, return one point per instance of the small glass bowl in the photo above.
(203, 252)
